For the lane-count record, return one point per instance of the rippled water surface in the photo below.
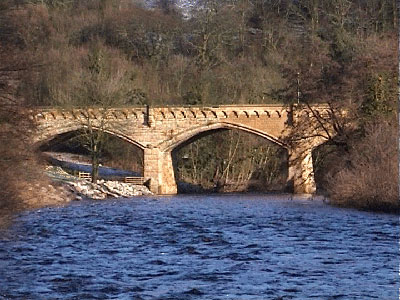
(200, 247)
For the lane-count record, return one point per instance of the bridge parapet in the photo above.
(174, 112)
(219, 112)
(50, 114)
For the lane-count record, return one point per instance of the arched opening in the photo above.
(118, 157)
(325, 160)
(230, 160)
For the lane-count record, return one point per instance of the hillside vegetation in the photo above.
(341, 52)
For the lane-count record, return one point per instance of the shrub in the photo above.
(369, 178)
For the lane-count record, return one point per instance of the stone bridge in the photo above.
(161, 130)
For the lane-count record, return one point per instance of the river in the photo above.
(238, 247)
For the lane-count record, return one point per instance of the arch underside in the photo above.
(177, 141)
(188, 136)
(68, 131)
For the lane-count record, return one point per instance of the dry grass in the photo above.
(370, 182)
(24, 186)
(23, 183)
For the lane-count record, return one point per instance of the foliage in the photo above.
(104, 84)
(368, 177)
(241, 161)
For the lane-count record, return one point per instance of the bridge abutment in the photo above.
(159, 169)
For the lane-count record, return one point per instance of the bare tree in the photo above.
(102, 85)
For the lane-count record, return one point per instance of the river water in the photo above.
(237, 247)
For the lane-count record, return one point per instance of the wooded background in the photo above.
(341, 52)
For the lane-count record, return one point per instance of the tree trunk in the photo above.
(95, 165)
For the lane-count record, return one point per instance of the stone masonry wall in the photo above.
(158, 130)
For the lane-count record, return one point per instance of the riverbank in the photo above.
(53, 186)
(83, 189)
(368, 204)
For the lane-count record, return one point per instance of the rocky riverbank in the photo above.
(105, 189)
(80, 188)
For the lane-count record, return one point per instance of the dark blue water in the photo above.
(200, 247)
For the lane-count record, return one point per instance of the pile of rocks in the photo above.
(80, 188)
(104, 189)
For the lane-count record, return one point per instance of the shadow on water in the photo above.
(7, 219)
(190, 188)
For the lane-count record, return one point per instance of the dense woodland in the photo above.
(125, 52)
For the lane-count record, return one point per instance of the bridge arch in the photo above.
(50, 135)
(118, 152)
(159, 161)
(186, 137)
(161, 130)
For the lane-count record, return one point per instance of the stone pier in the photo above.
(159, 169)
